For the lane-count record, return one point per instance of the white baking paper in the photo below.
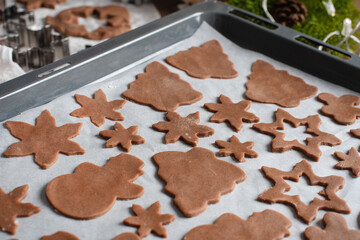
(242, 201)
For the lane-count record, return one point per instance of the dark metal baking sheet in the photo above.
(45, 84)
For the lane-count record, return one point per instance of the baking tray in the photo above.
(278, 42)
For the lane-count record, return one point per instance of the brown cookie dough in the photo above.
(35, 4)
(44, 140)
(123, 137)
(161, 89)
(236, 148)
(234, 113)
(98, 108)
(335, 228)
(117, 21)
(265, 225)
(307, 213)
(207, 61)
(196, 178)
(342, 109)
(349, 161)
(149, 220)
(186, 128)
(91, 191)
(127, 236)
(312, 148)
(11, 208)
(61, 236)
(268, 85)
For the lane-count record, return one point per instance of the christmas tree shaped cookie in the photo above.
(44, 140)
(11, 208)
(206, 61)
(196, 178)
(268, 85)
(91, 191)
(161, 89)
(265, 225)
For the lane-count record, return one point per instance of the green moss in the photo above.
(318, 23)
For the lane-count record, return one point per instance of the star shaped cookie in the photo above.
(349, 161)
(123, 137)
(307, 213)
(98, 108)
(313, 122)
(186, 128)
(44, 140)
(234, 113)
(149, 220)
(236, 148)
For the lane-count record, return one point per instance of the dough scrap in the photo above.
(91, 191)
(206, 61)
(44, 140)
(213, 178)
(268, 85)
(161, 89)
(307, 213)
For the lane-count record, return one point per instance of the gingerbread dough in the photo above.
(312, 148)
(335, 228)
(150, 220)
(342, 109)
(11, 208)
(355, 132)
(265, 225)
(161, 89)
(61, 236)
(268, 85)
(98, 108)
(349, 161)
(127, 236)
(186, 128)
(44, 140)
(196, 178)
(117, 21)
(123, 137)
(207, 61)
(237, 149)
(35, 4)
(307, 213)
(234, 113)
(91, 191)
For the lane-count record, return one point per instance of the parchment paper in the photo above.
(242, 201)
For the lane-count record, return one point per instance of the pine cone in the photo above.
(289, 12)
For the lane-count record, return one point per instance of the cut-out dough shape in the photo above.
(335, 228)
(11, 208)
(349, 161)
(117, 21)
(265, 225)
(268, 85)
(44, 140)
(342, 109)
(161, 89)
(149, 220)
(213, 178)
(91, 191)
(236, 148)
(123, 137)
(313, 122)
(127, 236)
(355, 132)
(206, 61)
(35, 4)
(234, 113)
(186, 128)
(61, 236)
(98, 108)
(307, 213)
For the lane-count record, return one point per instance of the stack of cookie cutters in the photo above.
(35, 44)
